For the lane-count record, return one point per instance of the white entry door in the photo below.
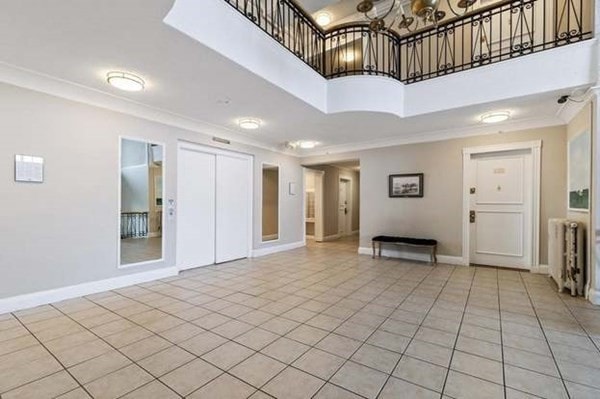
(500, 216)
(233, 211)
(196, 209)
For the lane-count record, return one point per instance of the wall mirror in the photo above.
(270, 202)
(141, 216)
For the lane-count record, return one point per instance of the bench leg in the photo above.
(380, 249)
(435, 255)
(373, 245)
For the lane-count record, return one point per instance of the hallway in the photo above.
(318, 322)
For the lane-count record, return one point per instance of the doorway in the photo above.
(501, 205)
(214, 206)
(313, 204)
(345, 207)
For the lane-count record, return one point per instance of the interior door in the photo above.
(233, 207)
(196, 209)
(343, 207)
(500, 213)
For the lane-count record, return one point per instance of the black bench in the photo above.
(406, 241)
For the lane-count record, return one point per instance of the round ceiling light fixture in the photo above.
(307, 144)
(125, 81)
(323, 18)
(249, 123)
(495, 117)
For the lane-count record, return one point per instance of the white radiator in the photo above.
(566, 255)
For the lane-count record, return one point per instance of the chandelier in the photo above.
(384, 14)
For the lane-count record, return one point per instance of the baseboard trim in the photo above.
(332, 237)
(270, 237)
(540, 269)
(422, 257)
(594, 296)
(34, 299)
(256, 253)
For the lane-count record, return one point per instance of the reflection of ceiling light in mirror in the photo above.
(323, 18)
(348, 57)
(495, 117)
(307, 145)
(249, 123)
(125, 81)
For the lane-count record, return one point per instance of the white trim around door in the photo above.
(536, 149)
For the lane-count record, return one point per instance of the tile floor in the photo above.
(319, 322)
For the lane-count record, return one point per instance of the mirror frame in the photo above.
(279, 179)
(163, 218)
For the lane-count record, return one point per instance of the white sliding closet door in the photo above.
(233, 207)
(196, 209)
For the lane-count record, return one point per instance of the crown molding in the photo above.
(439, 135)
(43, 83)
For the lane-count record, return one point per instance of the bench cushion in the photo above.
(405, 240)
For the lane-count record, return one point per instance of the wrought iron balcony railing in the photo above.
(498, 32)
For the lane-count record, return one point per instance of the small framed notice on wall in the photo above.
(29, 169)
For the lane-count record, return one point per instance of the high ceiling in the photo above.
(80, 40)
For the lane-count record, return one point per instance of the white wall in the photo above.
(65, 231)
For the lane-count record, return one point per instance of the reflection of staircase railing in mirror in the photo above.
(493, 33)
(134, 224)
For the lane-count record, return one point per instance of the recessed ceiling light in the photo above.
(495, 117)
(249, 123)
(125, 81)
(323, 18)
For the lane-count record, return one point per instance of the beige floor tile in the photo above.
(100, 366)
(307, 335)
(256, 338)
(578, 391)
(16, 344)
(47, 387)
(339, 345)
(360, 379)
(181, 333)
(232, 329)
(118, 383)
(319, 363)
(77, 393)
(462, 386)
(166, 360)
(479, 348)
(202, 343)
(355, 331)
(389, 341)
(377, 358)
(330, 391)
(228, 355)
(293, 384)
(257, 369)
(530, 361)
(152, 390)
(476, 366)
(395, 388)
(534, 383)
(422, 373)
(285, 350)
(127, 337)
(24, 373)
(211, 321)
(580, 374)
(279, 325)
(24, 356)
(81, 353)
(226, 387)
(144, 348)
(190, 377)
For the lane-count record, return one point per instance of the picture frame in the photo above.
(409, 185)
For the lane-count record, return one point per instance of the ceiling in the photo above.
(80, 40)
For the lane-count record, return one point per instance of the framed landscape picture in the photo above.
(406, 185)
(579, 165)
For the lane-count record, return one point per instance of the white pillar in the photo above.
(594, 292)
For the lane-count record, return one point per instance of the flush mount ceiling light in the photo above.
(495, 117)
(307, 144)
(249, 123)
(323, 18)
(125, 81)
(383, 14)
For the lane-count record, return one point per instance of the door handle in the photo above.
(472, 217)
